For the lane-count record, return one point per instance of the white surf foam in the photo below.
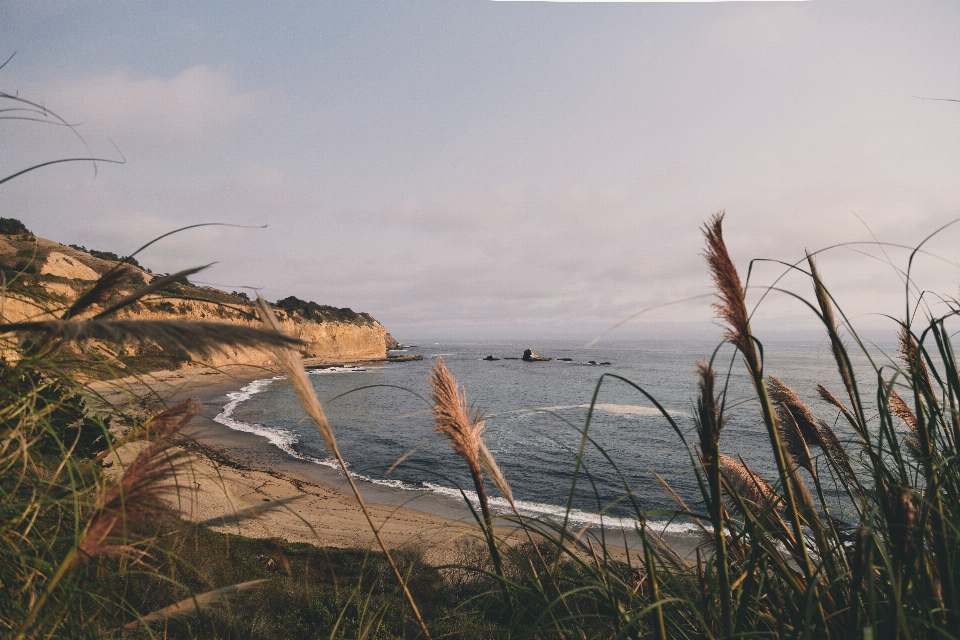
(556, 513)
(622, 409)
(280, 438)
(326, 370)
(285, 440)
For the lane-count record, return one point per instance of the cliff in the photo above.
(43, 278)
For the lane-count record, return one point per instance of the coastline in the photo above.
(240, 483)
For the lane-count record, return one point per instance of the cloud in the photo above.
(189, 111)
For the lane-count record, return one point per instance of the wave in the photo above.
(328, 370)
(622, 409)
(283, 439)
(280, 438)
(556, 513)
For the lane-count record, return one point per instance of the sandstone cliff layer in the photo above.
(44, 278)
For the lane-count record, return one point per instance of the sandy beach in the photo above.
(239, 483)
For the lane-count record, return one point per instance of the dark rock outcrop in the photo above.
(491, 357)
(530, 356)
(406, 358)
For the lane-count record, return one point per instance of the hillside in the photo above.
(44, 277)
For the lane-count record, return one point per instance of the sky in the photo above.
(500, 170)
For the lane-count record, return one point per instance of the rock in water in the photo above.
(405, 358)
(491, 357)
(530, 356)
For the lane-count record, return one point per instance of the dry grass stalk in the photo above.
(832, 400)
(918, 441)
(748, 485)
(463, 432)
(826, 309)
(452, 416)
(900, 409)
(489, 464)
(293, 366)
(731, 307)
(793, 440)
(155, 285)
(709, 419)
(134, 499)
(837, 455)
(783, 395)
(194, 604)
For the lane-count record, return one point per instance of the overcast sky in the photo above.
(477, 169)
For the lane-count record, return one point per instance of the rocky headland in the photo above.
(43, 278)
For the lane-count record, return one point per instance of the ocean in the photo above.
(535, 416)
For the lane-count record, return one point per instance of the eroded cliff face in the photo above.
(51, 276)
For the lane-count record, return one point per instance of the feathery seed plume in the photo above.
(916, 367)
(200, 338)
(793, 439)
(709, 418)
(731, 307)
(131, 500)
(748, 485)
(900, 409)
(837, 455)
(786, 397)
(100, 291)
(452, 417)
(464, 433)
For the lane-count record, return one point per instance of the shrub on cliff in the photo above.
(107, 255)
(317, 312)
(13, 227)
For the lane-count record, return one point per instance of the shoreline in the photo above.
(239, 482)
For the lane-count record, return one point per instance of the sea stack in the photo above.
(530, 356)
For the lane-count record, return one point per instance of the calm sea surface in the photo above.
(536, 412)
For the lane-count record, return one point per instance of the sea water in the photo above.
(641, 424)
